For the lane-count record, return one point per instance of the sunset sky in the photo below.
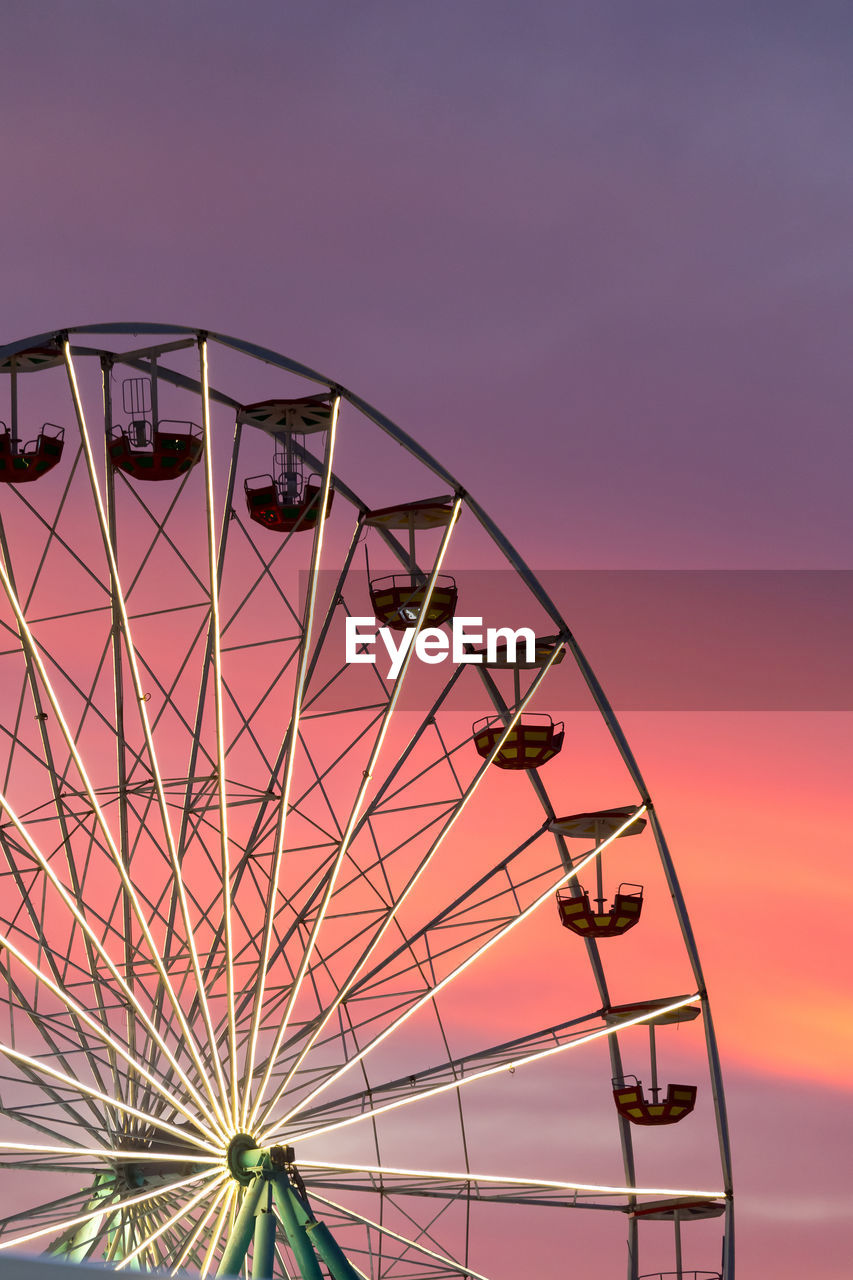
(596, 257)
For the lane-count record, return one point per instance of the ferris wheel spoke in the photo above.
(337, 678)
(191, 823)
(17, 746)
(230, 1100)
(130, 650)
(193, 1235)
(112, 1205)
(79, 1120)
(292, 743)
(89, 705)
(334, 1042)
(226, 1207)
(197, 745)
(46, 1210)
(416, 1095)
(358, 873)
(334, 599)
(352, 1216)
(118, 704)
(167, 694)
(320, 785)
(38, 932)
(15, 735)
(246, 862)
(297, 1040)
(322, 776)
(279, 951)
(79, 1155)
(391, 913)
(484, 896)
(364, 923)
(172, 1219)
(52, 535)
(169, 702)
(37, 1067)
(75, 908)
(59, 780)
(438, 986)
(39, 1023)
(258, 829)
(151, 1255)
(32, 682)
(81, 1016)
(357, 807)
(425, 1229)
(496, 1057)
(502, 1188)
(111, 1226)
(383, 800)
(343, 670)
(172, 1238)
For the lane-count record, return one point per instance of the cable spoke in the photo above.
(95, 1213)
(101, 1032)
(392, 912)
(432, 992)
(293, 740)
(174, 1218)
(43, 1068)
(72, 906)
(413, 1181)
(455, 1085)
(119, 604)
(356, 810)
(220, 1195)
(220, 740)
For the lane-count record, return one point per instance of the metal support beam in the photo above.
(294, 1228)
(263, 1249)
(340, 1268)
(235, 1251)
(653, 1063)
(76, 1245)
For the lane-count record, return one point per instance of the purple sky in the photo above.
(629, 223)
(595, 255)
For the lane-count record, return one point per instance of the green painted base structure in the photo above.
(271, 1179)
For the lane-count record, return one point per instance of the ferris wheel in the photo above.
(324, 950)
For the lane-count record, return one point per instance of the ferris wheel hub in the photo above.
(241, 1146)
(245, 1159)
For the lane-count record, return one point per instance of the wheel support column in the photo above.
(288, 1206)
(235, 1250)
(340, 1267)
(263, 1249)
